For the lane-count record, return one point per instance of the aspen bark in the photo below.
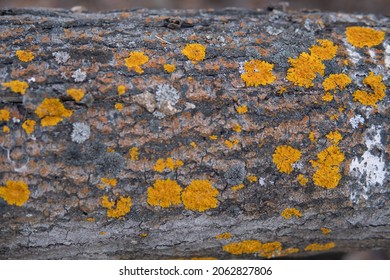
(142, 111)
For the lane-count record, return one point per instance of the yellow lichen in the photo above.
(320, 247)
(328, 173)
(90, 219)
(29, 126)
(302, 180)
(238, 187)
(361, 37)
(270, 249)
(121, 89)
(252, 179)
(15, 192)
(200, 196)
(237, 128)
(118, 106)
(312, 136)
(326, 50)
(143, 235)
(325, 231)
(288, 213)
(289, 251)
(6, 129)
(16, 86)
(334, 136)
(136, 60)
(167, 163)
(194, 52)
(110, 150)
(25, 56)
(134, 153)
(327, 97)
(335, 81)
(52, 111)
(213, 137)
(169, 68)
(5, 115)
(257, 72)
(242, 109)
(193, 145)
(102, 233)
(284, 156)
(123, 206)
(282, 90)
(304, 70)
(243, 247)
(376, 84)
(110, 182)
(164, 193)
(231, 144)
(225, 235)
(76, 93)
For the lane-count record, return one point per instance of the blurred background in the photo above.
(350, 6)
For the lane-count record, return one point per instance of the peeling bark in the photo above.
(189, 115)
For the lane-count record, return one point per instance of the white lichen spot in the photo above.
(79, 76)
(356, 121)
(387, 54)
(262, 182)
(354, 56)
(31, 80)
(190, 106)
(15, 120)
(81, 132)
(167, 97)
(241, 67)
(372, 53)
(369, 170)
(298, 165)
(61, 57)
(273, 31)
(159, 115)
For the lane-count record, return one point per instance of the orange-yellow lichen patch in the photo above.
(302, 180)
(225, 235)
(289, 251)
(376, 84)
(25, 56)
(270, 249)
(109, 182)
(242, 109)
(361, 37)
(6, 129)
(312, 136)
(334, 136)
(326, 50)
(90, 219)
(16, 86)
(51, 111)
(29, 126)
(304, 70)
(213, 137)
(335, 81)
(164, 193)
(284, 156)
(102, 233)
(231, 144)
(257, 72)
(327, 97)
(238, 187)
(282, 90)
(320, 247)
(252, 178)
(118, 106)
(143, 235)
(288, 213)
(123, 206)
(134, 153)
(237, 128)
(328, 173)
(167, 163)
(325, 231)
(193, 145)
(136, 60)
(243, 247)
(200, 196)
(194, 52)
(76, 93)
(121, 89)
(15, 192)
(5, 115)
(169, 68)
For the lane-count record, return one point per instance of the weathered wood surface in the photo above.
(64, 217)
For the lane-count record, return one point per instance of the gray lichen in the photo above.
(110, 164)
(81, 132)
(236, 174)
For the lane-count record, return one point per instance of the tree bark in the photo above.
(194, 115)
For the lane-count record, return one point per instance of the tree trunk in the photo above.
(247, 135)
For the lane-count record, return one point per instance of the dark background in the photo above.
(350, 6)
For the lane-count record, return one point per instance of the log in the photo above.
(160, 134)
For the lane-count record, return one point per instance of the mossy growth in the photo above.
(164, 193)
(200, 195)
(284, 156)
(15, 192)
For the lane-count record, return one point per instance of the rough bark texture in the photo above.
(64, 217)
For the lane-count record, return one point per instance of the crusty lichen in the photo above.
(284, 156)
(123, 206)
(76, 93)
(361, 37)
(108, 182)
(320, 247)
(225, 235)
(243, 247)
(29, 126)
(334, 136)
(121, 89)
(242, 109)
(51, 111)
(15, 192)
(302, 180)
(4, 115)
(288, 213)
(258, 72)
(25, 56)
(136, 60)
(200, 195)
(167, 164)
(134, 154)
(169, 68)
(16, 86)
(325, 50)
(376, 84)
(164, 193)
(325, 231)
(194, 52)
(335, 81)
